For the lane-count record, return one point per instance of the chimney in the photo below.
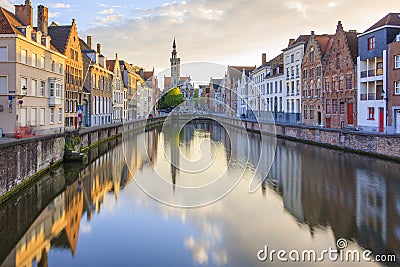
(312, 33)
(264, 58)
(43, 19)
(89, 41)
(99, 48)
(25, 13)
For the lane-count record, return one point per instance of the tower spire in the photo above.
(174, 44)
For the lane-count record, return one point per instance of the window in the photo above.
(311, 112)
(42, 116)
(288, 105)
(24, 56)
(58, 90)
(292, 59)
(24, 115)
(341, 82)
(305, 112)
(52, 115)
(396, 61)
(319, 71)
(3, 54)
(60, 115)
(312, 54)
(51, 93)
(371, 114)
(43, 62)
(371, 43)
(327, 85)
(397, 88)
(66, 106)
(34, 60)
(304, 74)
(328, 106)
(311, 73)
(42, 88)
(305, 90)
(34, 89)
(60, 68)
(349, 82)
(342, 111)
(297, 71)
(33, 117)
(280, 86)
(335, 106)
(24, 84)
(3, 85)
(53, 66)
(338, 61)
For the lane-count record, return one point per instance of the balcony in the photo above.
(369, 73)
(54, 101)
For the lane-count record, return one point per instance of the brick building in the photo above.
(340, 87)
(394, 86)
(65, 38)
(312, 76)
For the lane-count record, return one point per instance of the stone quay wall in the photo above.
(23, 160)
(374, 144)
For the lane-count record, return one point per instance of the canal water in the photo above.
(98, 215)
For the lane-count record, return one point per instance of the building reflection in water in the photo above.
(354, 197)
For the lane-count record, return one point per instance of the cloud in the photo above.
(54, 14)
(332, 4)
(107, 11)
(226, 31)
(60, 5)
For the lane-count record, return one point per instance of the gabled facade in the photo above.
(312, 76)
(373, 73)
(230, 87)
(97, 105)
(292, 60)
(340, 85)
(132, 81)
(66, 40)
(274, 95)
(118, 91)
(31, 77)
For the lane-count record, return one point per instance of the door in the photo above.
(328, 122)
(319, 118)
(381, 120)
(350, 119)
(398, 121)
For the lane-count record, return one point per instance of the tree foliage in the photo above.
(173, 98)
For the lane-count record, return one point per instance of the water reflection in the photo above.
(96, 215)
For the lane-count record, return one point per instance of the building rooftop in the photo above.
(392, 19)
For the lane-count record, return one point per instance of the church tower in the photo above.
(175, 66)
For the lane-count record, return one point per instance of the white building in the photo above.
(292, 60)
(274, 95)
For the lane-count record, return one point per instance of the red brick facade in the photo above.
(393, 82)
(339, 90)
(312, 76)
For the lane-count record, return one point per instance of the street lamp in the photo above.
(24, 92)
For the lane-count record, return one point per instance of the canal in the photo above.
(98, 215)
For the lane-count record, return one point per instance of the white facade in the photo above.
(242, 97)
(257, 89)
(372, 99)
(292, 60)
(274, 96)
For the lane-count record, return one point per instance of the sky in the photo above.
(227, 32)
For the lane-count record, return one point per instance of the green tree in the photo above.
(173, 98)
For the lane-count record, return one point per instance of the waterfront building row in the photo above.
(52, 81)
